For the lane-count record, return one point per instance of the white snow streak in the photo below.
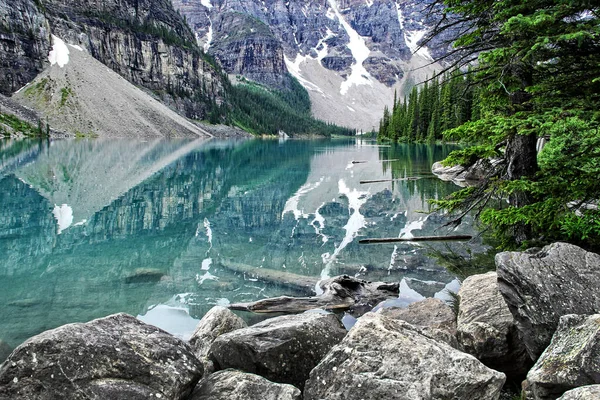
(64, 216)
(294, 69)
(359, 50)
(206, 3)
(209, 36)
(59, 53)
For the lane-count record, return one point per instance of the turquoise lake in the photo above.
(164, 230)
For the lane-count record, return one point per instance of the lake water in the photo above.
(164, 230)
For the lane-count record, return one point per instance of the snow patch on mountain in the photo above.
(206, 3)
(59, 53)
(360, 52)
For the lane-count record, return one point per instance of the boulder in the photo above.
(384, 358)
(455, 173)
(433, 316)
(216, 322)
(282, 349)
(116, 357)
(237, 385)
(540, 286)
(486, 328)
(571, 360)
(582, 393)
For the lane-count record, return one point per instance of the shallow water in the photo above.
(166, 229)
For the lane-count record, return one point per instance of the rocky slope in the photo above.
(78, 94)
(147, 42)
(350, 55)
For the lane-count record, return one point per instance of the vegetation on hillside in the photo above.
(266, 111)
(537, 75)
(11, 125)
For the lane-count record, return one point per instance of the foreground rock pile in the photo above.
(536, 320)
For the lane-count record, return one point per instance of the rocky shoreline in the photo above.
(536, 321)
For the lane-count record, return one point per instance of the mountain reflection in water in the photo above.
(167, 229)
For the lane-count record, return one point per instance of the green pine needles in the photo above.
(537, 76)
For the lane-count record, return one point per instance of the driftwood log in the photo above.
(415, 239)
(339, 293)
(412, 178)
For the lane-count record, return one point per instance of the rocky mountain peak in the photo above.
(351, 55)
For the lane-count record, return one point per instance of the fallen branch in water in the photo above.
(359, 162)
(415, 239)
(339, 293)
(412, 178)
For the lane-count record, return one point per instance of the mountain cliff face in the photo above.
(145, 41)
(24, 43)
(351, 55)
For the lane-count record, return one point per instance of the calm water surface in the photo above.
(166, 229)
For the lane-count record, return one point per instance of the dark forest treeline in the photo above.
(430, 109)
(259, 110)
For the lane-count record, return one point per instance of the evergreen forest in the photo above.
(520, 71)
(260, 110)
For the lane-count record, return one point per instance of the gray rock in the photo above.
(571, 360)
(486, 328)
(283, 349)
(539, 286)
(117, 357)
(582, 393)
(433, 316)
(236, 385)
(455, 173)
(216, 322)
(383, 358)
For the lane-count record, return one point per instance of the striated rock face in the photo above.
(283, 349)
(486, 328)
(582, 393)
(24, 43)
(382, 358)
(541, 285)
(145, 41)
(216, 322)
(433, 316)
(117, 357)
(571, 360)
(236, 385)
(246, 46)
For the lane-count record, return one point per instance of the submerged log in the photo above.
(415, 239)
(295, 281)
(339, 293)
(359, 162)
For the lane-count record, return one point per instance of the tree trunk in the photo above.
(521, 157)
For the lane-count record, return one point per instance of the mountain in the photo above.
(351, 55)
(145, 41)
(78, 94)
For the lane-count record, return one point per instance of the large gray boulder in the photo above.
(283, 349)
(216, 322)
(582, 393)
(230, 384)
(117, 357)
(540, 286)
(571, 360)
(433, 316)
(384, 358)
(486, 328)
